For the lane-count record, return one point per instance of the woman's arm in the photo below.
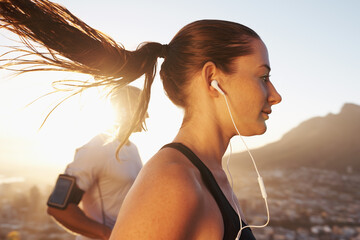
(74, 219)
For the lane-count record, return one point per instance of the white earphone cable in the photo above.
(260, 181)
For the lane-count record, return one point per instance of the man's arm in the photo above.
(74, 219)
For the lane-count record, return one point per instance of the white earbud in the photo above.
(215, 85)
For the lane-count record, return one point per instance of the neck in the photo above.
(205, 139)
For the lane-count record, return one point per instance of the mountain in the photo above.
(330, 142)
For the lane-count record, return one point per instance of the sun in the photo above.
(68, 126)
(81, 117)
(76, 121)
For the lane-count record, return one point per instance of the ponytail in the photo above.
(65, 43)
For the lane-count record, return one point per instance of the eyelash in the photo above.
(266, 77)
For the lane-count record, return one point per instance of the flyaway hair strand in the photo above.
(53, 39)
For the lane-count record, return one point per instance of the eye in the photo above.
(265, 78)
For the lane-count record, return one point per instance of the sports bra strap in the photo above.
(230, 217)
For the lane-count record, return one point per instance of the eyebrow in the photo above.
(266, 66)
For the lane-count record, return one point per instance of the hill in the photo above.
(330, 142)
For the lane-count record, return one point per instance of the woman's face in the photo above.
(250, 92)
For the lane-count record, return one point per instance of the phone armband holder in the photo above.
(66, 191)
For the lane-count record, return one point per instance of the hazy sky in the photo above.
(314, 53)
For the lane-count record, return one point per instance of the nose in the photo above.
(274, 97)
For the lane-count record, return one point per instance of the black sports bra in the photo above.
(230, 217)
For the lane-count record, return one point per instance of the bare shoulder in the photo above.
(171, 172)
(164, 202)
(170, 164)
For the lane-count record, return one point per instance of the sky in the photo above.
(314, 55)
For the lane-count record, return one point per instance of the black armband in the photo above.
(66, 191)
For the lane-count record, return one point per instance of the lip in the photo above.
(266, 113)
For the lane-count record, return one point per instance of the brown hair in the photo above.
(74, 46)
(197, 43)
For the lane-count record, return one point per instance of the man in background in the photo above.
(99, 176)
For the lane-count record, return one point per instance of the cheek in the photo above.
(248, 95)
(254, 95)
(260, 92)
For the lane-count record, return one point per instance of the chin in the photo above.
(263, 130)
(257, 131)
(253, 129)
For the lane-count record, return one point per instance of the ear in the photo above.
(210, 72)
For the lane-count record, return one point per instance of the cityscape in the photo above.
(23, 213)
(304, 203)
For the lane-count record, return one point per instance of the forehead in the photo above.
(259, 58)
